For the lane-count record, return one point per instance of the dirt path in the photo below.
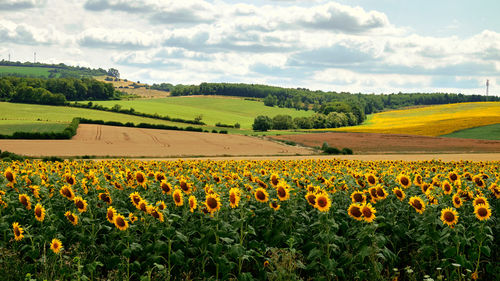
(98, 140)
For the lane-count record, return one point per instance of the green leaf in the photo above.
(486, 250)
(181, 237)
(226, 240)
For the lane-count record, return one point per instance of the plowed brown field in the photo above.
(98, 140)
(371, 143)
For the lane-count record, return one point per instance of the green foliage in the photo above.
(282, 122)
(262, 123)
(53, 91)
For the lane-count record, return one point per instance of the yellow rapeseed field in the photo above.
(431, 120)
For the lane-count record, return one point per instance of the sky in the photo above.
(367, 46)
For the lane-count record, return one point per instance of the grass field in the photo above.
(29, 71)
(213, 109)
(17, 117)
(434, 120)
(7, 127)
(13, 116)
(489, 132)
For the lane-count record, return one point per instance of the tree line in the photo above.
(56, 91)
(305, 99)
(61, 70)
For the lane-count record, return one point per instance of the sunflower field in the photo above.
(246, 220)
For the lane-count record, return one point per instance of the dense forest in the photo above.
(54, 91)
(59, 70)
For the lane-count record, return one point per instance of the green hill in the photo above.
(225, 110)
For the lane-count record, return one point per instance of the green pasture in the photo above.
(212, 109)
(14, 112)
(489, 132)
(29, 71)
(8, 127)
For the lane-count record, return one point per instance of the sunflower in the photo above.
(105, 197)
(39, 212)
(354, 211)
(166, 188)
(457, 200)
(110, 214)
(311, 198)
(449, 216)
(381, 193)
(371, 179)
(161, 205)
(159, 176)
(120, 222)
(404, 180)
(400, 194)
(67, 192)
(261, 195)
(25, 200)
(478, 180)
(447, 188)
(72, 218)
(425, 187)
(132, 218)
(193, 203)
(141, 179)
(453, 176)
(274, 205)
(18, 231)
(274, 179)
(81, 204)
(178, 197)
(373, 194)
(185, 186)
(417, 203)
(234, 197)
(153, 211)
(69, 178)
(283, 193)
(482, 212)
(418, 181)
(56, 245)
(10, 175)
(358, 197)
(143, 205)
(323, 202)
(212, 202)
(480, 200)
(135, 198)
(368, 212)
(495, 189)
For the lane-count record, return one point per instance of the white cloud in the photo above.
(313, 44)
(6, 5)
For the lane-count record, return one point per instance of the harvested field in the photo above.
(371, 143)
(98, 140)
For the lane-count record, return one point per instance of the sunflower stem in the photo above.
(479, 248)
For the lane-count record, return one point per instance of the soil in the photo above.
(99, 140)
(371, 143)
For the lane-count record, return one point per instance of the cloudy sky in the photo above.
(369, 46)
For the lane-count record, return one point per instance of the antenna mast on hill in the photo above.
(9, 56)
(487, 86)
